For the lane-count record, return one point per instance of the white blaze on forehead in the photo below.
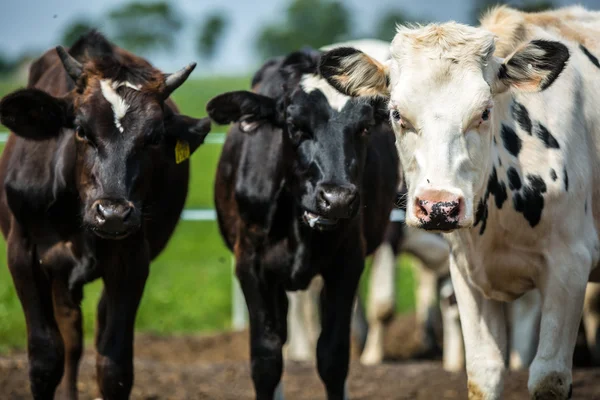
(117, 103)
(336, 100)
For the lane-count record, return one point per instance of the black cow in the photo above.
(94, 179)
(304, 186)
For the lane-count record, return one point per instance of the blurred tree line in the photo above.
(145, 27)
(320, 22)
(141, 27)
(148, 27)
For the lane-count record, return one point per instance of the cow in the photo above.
(496, 128)
(94, 177)
(304, 187)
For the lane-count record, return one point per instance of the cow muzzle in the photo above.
(333, 203)
(438, 210)
(114, 219)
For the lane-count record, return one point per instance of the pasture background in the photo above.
(189, 288)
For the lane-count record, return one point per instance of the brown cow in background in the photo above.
(94, 179)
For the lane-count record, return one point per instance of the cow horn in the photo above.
(72, 66)
(176, 79)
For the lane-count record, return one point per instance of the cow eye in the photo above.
(486, 115)
(80, 134)
(397, 118)
(153, 140)
(297, 131)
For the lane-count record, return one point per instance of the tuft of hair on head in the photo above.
(452, 41)
(508, 25)
(90, 45)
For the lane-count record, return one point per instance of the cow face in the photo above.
(441, 83)
(119, 122)
(328, 139)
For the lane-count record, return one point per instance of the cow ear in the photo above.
(354, 73)
(250, 109)
(183, 135)
(533, 67)
(34, 114)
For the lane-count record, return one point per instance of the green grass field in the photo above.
(189, 289)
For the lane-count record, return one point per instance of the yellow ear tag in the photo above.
(182, 151)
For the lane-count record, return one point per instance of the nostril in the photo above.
(422, 206)
(455, 211)
(127, 213)
(352, 198)
(324, 200)
(101, 210)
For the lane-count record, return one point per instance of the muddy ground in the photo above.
(216, 367)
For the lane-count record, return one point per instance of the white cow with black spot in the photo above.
(498, 133)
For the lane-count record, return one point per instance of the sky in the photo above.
(38, 25)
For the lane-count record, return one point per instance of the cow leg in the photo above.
(69, 319)
(359, 325)
(299, 346)
(563, 291)
(454, 349)
(591, 320)
(304, 322)
(124, 283)
(100, 317)
(432, 251)
(337, 300)
(311, 311)
(44, 344)
(381, 302)
(428, 311)
(525, 317)
(267, 309)
(484, 332)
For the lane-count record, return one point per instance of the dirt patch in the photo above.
(216, 367)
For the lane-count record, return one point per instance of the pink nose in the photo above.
(438, 210)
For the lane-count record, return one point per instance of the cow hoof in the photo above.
(554, 386)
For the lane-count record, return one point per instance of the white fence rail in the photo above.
(238, 312)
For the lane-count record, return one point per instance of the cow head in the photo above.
(118, 117)
(441, 83)
(326, 132)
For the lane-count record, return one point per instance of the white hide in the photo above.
(443, 78)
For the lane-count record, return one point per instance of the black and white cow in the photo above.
(304, 187)
(502, 154)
